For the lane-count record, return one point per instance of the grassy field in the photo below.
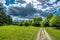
(18, 33)
(54, 32)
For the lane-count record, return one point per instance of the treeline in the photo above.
(36, 21)
(4, 19)
(51, 20)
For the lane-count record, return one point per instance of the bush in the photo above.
(25, 24)
(20, 24)
(35, 24)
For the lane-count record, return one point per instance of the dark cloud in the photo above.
(43, 1)
(2, 6)
(20, 1)
(22, 11)
(43, 14)
(29, 10)
(57, 0)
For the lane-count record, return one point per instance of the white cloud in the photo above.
(2, 1)
(52, 1)
(34, 2)
(56, 4)
(37, 4)
(14, 5)
(18, 5)
(17, 18)
(28, 1)
(48, 8)
(24, 5)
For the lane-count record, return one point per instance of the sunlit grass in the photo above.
(18, 32)
(54, 32)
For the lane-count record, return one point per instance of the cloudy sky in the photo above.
(30, 8)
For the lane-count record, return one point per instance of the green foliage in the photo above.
(9, 20)
(26, 24)
(49, 16)
(30, 22)
(45, 22)
(51, 20)
(34, 22)
(4, 19)
(37, 21)
(18, 23)
(55, 21)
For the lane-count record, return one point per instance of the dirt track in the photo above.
(43, 35)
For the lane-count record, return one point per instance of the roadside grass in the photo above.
(18, 32)
(54, 32)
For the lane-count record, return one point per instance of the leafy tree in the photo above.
(55, 21)
(49, 16)
(4, 19)
(8, 20)
(46, 21)
(36, 21)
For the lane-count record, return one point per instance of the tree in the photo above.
(55, 21)
(36, 21)
(30, 22)
(49, 16)
(46, 21)
(4, 19)
(9, 19)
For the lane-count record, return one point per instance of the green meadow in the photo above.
(18, 32)
(55, 33)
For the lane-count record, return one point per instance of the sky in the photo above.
(28, 9)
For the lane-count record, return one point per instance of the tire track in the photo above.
(43, 35)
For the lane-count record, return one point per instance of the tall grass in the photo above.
(18, 32)
(54, 32)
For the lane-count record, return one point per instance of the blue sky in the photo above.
(9, 2)
(30, 8)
